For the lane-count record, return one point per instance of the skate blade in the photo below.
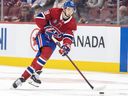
(34, 84)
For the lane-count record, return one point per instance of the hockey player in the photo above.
(55, 22)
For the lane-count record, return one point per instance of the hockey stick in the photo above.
(59, 45)
(91, 86)
(80, 72)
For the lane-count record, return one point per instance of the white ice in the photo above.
(64, 83)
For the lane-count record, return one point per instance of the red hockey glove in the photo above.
(64, 50)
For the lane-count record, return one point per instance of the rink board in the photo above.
(124, 50)
(95, 48)
(63, 64)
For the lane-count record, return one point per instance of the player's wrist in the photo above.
(65, 49)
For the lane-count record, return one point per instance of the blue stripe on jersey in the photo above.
(41, 61)
(30, 70)
(68, 36)
(40, 15)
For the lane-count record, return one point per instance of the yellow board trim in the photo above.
(63, 64)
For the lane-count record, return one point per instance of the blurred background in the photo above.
(88, 11)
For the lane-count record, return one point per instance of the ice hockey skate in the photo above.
(18, 82)
(35, 81)
(35, 77)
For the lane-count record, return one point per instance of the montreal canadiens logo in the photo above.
(33, 43)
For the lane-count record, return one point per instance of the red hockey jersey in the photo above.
(53, 17)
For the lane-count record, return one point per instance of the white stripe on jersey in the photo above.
(28, 71)
(40, 63)
(67, 38)
(68, 35)
(42, 59)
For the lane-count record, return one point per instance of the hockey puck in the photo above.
(101, 92)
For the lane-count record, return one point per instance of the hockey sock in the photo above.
(28, 72)
(38, 62)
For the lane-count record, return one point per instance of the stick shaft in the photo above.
(79, 71)
(59, 45)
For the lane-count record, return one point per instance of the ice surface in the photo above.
(64, 83)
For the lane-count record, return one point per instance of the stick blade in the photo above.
(100, 88)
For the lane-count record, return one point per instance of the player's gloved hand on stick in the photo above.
(64, 50)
